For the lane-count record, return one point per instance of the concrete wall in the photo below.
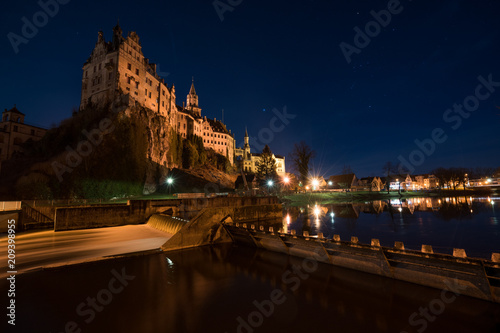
(190, 205)
(70, 218)
(138, 211)
(207, 228)
(6, 216)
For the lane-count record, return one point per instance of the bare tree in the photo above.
(300, 157)
(389, 169)
(346, 170)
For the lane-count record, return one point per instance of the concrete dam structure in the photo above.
(469, 276)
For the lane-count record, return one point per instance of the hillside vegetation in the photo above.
(102, 152)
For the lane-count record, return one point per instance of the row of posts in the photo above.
(459, 253)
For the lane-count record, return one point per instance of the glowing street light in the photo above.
(270, 183)
(286, 180)
(170, 181)
(315, 183)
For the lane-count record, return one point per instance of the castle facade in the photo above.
(14, 132)
(119, 67)
(250, 161)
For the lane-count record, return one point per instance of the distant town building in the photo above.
(14, 132)
(250, 161)
(412, 183)
(119, 68)
(373, 184)
(346, 182)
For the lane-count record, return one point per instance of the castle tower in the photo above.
(117, 36)
(192, 101)
(247, 145)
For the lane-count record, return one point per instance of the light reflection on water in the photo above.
(444, 223)
(207, 289)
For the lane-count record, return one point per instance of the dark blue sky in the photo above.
(276, 54)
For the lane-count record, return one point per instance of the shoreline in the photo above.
(362, 196)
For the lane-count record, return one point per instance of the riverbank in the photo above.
(299, 199)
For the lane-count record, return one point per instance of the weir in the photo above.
(458, 273)
(468, 276)
(166, 223)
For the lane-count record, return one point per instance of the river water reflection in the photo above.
(223, 288)
(216, 289)
(444, 223)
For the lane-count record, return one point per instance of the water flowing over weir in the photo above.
(166, 223)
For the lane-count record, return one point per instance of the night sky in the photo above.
(267, 55)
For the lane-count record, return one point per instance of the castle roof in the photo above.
(14, 110)
(217, 126)
(342, 180)
(192, 91)
(275, 156)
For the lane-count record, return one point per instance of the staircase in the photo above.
(33, 219)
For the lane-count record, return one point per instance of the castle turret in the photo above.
(192, 101)
(247, 145)
(192, 98)
(117, 35)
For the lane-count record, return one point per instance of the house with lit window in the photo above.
(373, 184)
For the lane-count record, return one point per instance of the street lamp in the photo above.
(269, 184)
(170, 181)
(286, 181)
(315, 183)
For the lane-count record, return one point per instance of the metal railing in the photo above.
(35, 215)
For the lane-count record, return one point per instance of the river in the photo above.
(239, 289)
(469, 223)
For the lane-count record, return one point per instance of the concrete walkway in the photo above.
(36, 250)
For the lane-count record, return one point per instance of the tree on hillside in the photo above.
(300, 157)
(266, 167)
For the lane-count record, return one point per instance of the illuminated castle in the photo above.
(119, 68)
